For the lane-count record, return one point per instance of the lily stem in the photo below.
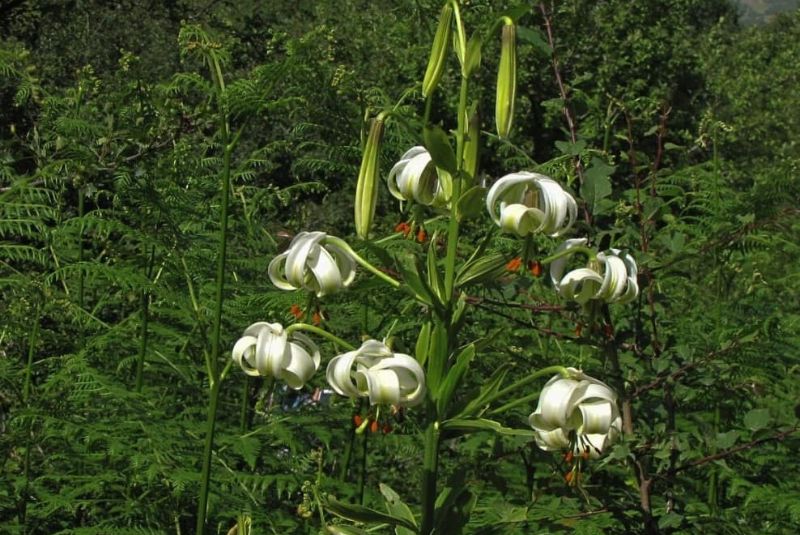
(529, 379)
(215, 377)
(317, 330)
(366, 265)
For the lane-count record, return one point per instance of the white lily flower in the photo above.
(383, 376)
(612, 278)
(312, 264)
(416, 177)
(531, 203)
(578, 413)
(265, 349)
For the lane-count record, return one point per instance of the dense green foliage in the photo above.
(126, 127)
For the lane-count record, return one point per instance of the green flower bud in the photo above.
(367, 186)
(506, 79)
(436, 62)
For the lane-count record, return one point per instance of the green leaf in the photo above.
(453, 378)
(473, 62)
(487, 391)
(571, 149)
(397, 508)
(471, 203)
(481, 269)
(454, 505)
(437, 357)
(483, 424)
(435, 281)
(670, 520)
(341, 529)
(359, 513)
(423, 343)
(756, 419)
(438, 144)
(535, 37)
(726, 440)
(597, 184)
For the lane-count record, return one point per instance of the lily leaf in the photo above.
(471, 203)
(423, 343)
(438, 145)
(342, 529)
(483, 424)
(486, 393)
(398, 508)
(359, 513)
(434, 277)
(437, 357)
(454, 506)
(454, 376)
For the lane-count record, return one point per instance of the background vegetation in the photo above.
(678, 125)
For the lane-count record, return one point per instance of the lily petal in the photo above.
(312, 264)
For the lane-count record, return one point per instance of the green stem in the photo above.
(81, 209)
(205, 476)
(363, 476)
(430, 467)
(245, 405)
(588, 251)
(317, 330)
(529, 379)
(366, 265)
(26, 391)
(215, 378)
(452, 230)
(145, 303)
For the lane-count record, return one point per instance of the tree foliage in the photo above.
(676, 129)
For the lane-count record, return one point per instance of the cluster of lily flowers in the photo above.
(577, 413)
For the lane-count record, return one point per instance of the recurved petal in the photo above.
(326, 275)
(304, 359)
(381, 385)
(339, 376)
(580, 284)
(276, 269)
(615, 278)
(596, 417)
(509, 189)
(558, 265)
(410, 377)
(557, 205)
(244, 354)
(555, 439)
(301, 247)
(345, 263)
(554, 408)
(271, 352)
(520, 220)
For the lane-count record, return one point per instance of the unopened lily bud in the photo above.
(506, 79)
(367, 186)
(441, 42)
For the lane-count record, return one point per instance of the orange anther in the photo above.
(403, 227)
(296, 311)
(513, 264)
(373, 426)
(535, 268)
(421, 235)
(358, 420)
